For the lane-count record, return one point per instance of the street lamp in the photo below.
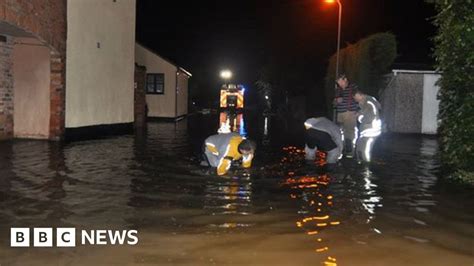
(338, 40)
(226, 74)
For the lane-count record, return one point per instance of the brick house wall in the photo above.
(140, 97)
(6, 89)
(46, 21)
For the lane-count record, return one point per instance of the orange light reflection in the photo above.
(322, 249)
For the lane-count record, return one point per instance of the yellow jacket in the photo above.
(225, 148)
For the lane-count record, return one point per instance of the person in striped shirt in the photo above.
(347, 107)
(222, 149)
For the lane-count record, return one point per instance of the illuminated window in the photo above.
(155, 83)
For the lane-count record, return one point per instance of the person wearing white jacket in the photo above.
(370, 124)
(323, 134)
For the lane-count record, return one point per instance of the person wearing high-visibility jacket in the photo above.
(220, 150)
(324, 135)
(370, 124)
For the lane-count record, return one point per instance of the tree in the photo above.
(264, 88)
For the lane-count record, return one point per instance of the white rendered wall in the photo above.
(100, 62)
(159, 105)
(430, 104)
(182, 92)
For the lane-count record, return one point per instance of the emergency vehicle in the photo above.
(232, 96)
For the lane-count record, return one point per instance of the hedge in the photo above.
(454, 54)
(364, 63)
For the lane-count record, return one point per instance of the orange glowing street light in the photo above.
(338, 42)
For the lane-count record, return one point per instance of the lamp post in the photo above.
(338, 42)
(338, 32)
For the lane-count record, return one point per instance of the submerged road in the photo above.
(283, 212)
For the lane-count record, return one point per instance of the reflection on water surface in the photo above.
(283, 211)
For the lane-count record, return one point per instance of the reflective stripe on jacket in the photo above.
(225, 147)
(369, 117)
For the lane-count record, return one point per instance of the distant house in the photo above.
(166, 84)
(409, 102)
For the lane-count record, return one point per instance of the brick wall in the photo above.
(140, 97)
(45, 20)
(6, 89)
(57, 96)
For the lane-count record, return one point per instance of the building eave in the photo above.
(397, 71)
(164, 58)
(185, 71)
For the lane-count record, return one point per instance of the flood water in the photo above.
(281, 212)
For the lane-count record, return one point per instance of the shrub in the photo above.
(364, 63)
(454, 53)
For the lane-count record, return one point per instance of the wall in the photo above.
(6, 89)
(159, 105)
(45, 19)
(46, 22)
(100, 62)
(182, 93)
(31, 73)
(140, 97)
(408, 103)
(430, 104)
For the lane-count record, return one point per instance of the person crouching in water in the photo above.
(220, 150)
(323, 134)
(370, 125)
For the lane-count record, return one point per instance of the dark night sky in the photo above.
(206, 36)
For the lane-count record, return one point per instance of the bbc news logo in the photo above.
(66, 237)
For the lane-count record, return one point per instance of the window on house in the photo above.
(155, 83)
